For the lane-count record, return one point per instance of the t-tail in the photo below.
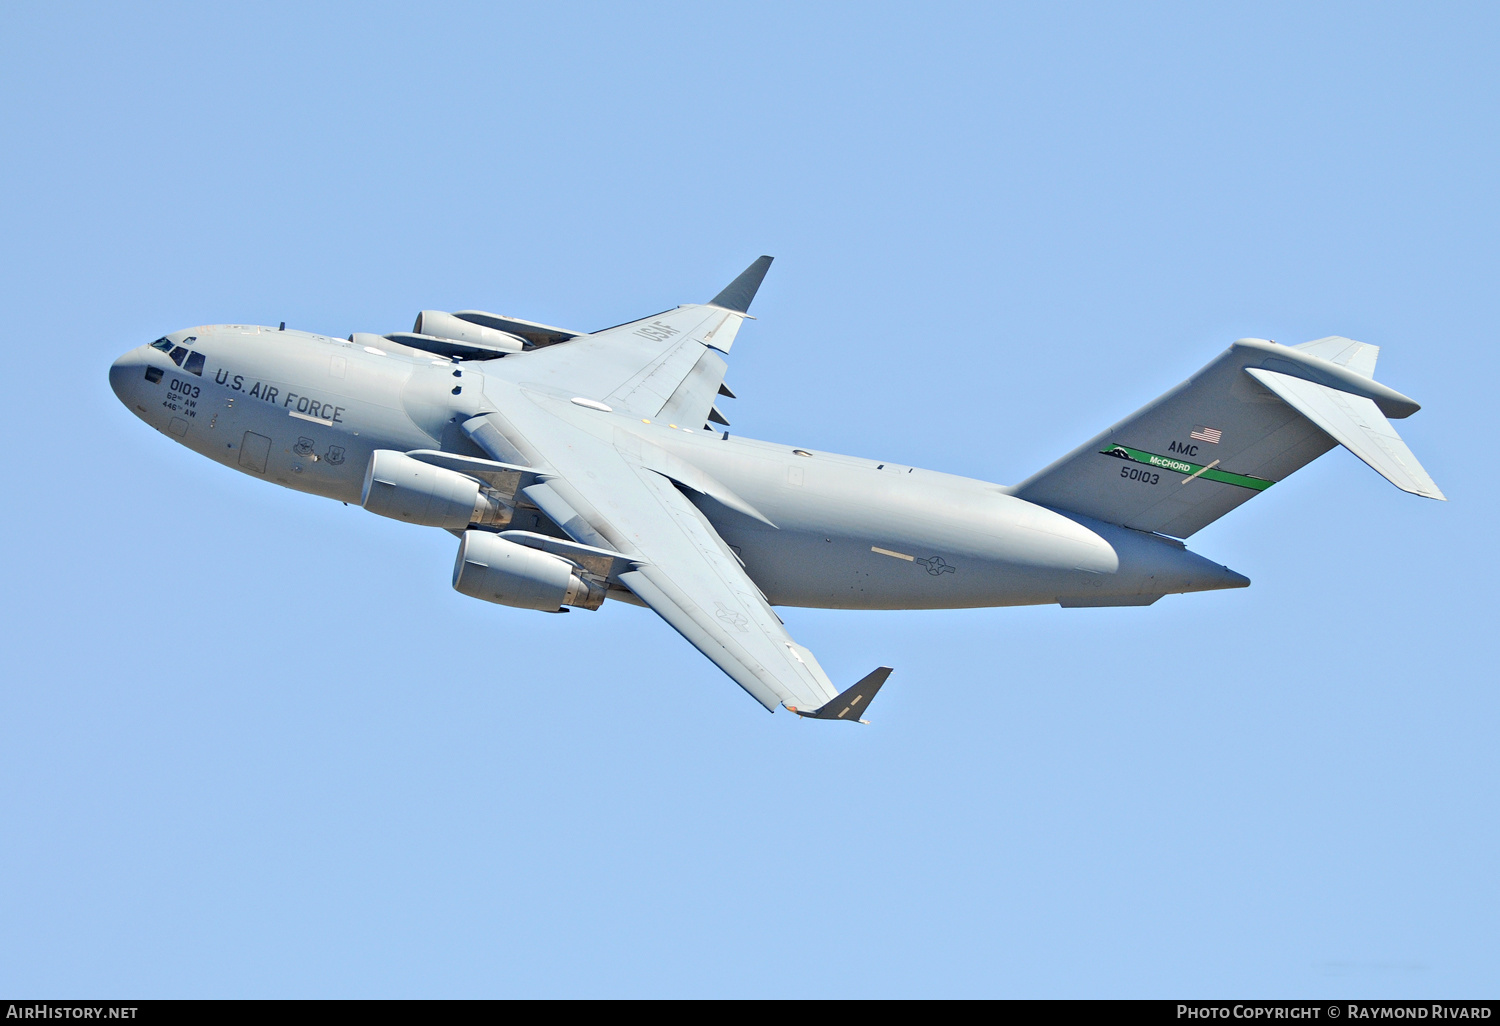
(1257, 413)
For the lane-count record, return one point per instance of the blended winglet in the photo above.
(849, 704)
(738, 293)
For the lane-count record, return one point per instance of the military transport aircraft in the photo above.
(578, 466)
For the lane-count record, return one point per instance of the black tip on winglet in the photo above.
(738, 293)
(851, 703)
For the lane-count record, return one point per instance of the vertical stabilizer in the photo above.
(1251, 417)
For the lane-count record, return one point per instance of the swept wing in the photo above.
(667, 366)
(597, 483)
(609, 487)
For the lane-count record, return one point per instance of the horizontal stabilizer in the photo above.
(1358, 357)
(850, 703)
(1357, 424)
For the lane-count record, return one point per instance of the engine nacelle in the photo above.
(444, 325)
(489, 567)
(402, 488)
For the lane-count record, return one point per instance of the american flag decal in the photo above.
(1206, 434)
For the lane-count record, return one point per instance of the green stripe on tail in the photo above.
(1185, 468)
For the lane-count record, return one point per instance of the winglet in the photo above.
(738, 293)
(845, 705)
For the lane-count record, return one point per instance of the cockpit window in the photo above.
(187, 359)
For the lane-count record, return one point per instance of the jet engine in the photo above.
(445, 325)
(489, 567)
(402, 488)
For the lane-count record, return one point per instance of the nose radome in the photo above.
(124, 372)
(133, 373)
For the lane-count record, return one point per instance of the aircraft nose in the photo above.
(132, 374)
(128, 373)
(124, 370)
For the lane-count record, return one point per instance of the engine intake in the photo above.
(444, 325)
(402, 488)
(490, 568)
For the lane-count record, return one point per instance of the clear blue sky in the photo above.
(254, 744)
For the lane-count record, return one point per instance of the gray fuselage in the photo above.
(307, 411)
